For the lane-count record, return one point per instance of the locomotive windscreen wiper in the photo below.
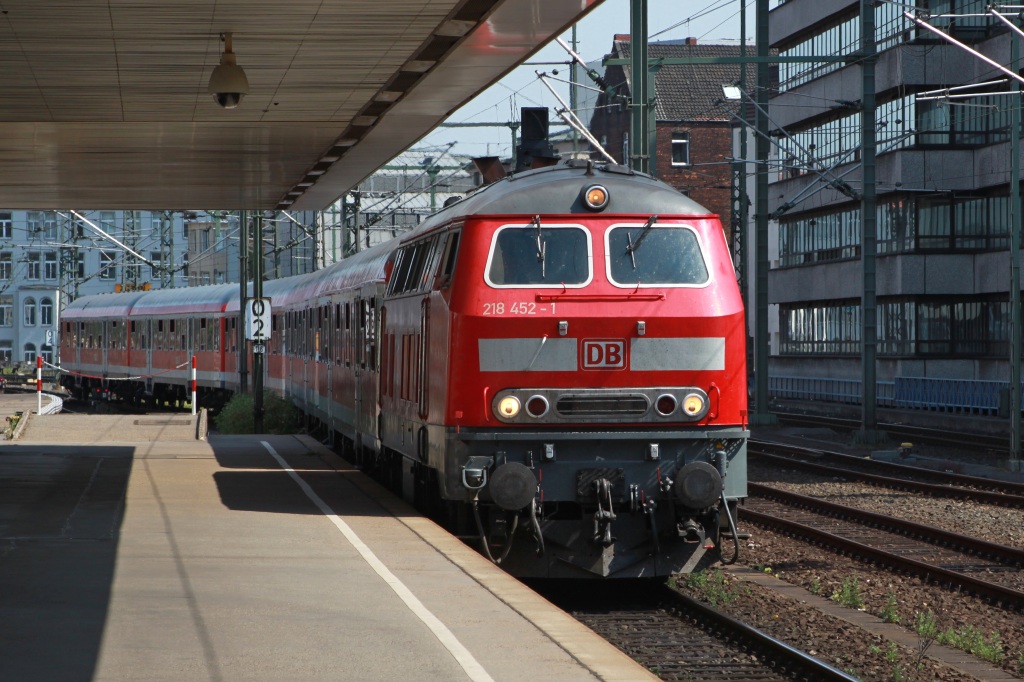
(644, 231)
(541, 245)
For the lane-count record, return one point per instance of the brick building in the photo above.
(694, 126)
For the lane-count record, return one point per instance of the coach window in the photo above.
(540, 255)
(655, 255)
(311, 335)
(337, 342)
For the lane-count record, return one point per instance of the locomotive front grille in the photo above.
(602, 405)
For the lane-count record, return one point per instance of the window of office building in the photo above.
(841, 37)
(6, 311)
(50, 265)
(919, 326)
(967, 326)
(942, 222)
(49, 225)
(30, 353)
(46, 312)
(108, 265)
(33, 265)
(154, 258)
(108, 220)
(6, 265)
(34, 223)
(821, 328)
(6, 226)
(29, 307)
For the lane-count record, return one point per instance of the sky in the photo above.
(708, 20)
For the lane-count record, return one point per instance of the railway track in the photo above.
(679, 638)
(892, 475)
(995, 444)
(989, 571)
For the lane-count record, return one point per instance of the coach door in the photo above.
(359, 364)
(366, 394)
(424, 356)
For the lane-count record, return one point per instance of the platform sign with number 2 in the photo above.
(257, 320)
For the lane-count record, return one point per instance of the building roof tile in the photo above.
(690, 92)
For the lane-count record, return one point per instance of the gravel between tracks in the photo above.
(885, 594)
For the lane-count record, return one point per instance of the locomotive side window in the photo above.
(414, 267)
(539, 255)
(451, 251)
(655, 255)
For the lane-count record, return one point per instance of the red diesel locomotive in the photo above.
(555, 364)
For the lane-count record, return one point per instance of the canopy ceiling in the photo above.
(104, 103)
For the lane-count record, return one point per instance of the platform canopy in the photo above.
(104, 103)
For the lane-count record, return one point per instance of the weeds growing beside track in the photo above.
(279, 415)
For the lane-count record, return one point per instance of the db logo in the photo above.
(602, 354)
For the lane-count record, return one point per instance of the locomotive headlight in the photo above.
(595, 197)
(509, 406)
(693, 404)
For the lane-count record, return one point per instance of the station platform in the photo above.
(131, 550)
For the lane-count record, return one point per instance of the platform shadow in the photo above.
(60, 524)
(277, 492)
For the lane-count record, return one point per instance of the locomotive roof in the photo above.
(556, 190)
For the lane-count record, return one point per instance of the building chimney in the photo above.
(691, 41)
(623, 37)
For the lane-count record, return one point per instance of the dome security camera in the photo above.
(228, 83)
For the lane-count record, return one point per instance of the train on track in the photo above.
(554, 364)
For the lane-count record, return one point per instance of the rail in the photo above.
(54, 406)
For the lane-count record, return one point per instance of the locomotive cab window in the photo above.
(539, 255)
(655, 255)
